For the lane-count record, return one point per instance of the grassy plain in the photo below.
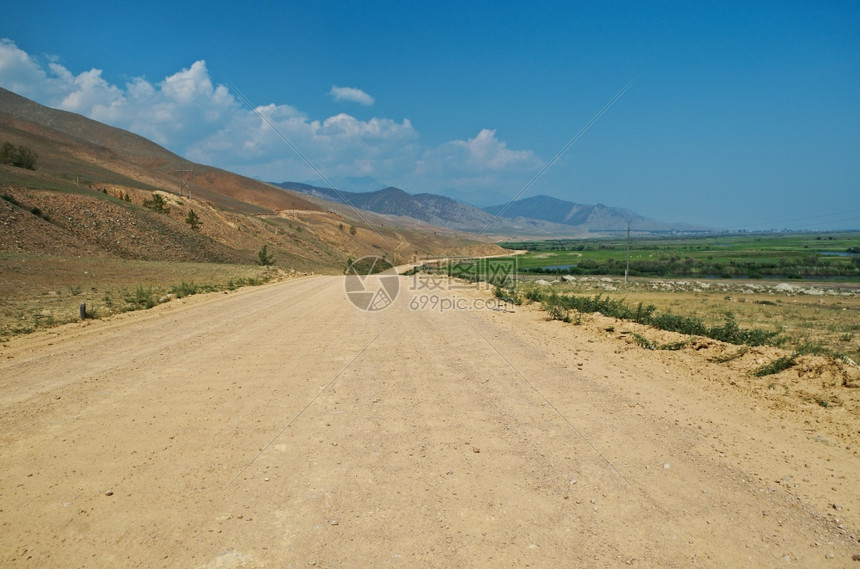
(766, 255)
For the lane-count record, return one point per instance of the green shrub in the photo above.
(142, 297)
(184, 289)
(775, 366)
(18, 156)
(263, 256)
(193, 220)
(643, 342)
(157, 204)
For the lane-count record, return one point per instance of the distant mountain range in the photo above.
(429, 208)
(539, 215)
(592, 217)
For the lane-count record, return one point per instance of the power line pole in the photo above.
(185, 182)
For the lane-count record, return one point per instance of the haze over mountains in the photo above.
(536, 215)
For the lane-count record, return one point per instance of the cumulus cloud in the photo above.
(191, 115)
(339, 146)
(175, 112)
(352, 95)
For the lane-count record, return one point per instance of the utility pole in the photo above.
(185, 182)
(627, 268)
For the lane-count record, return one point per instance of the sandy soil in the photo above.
(279, 426)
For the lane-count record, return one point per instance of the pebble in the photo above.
(109, 493)
(334, 522)
(829, 555)
(665, 465)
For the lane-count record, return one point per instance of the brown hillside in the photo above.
(69, 144)
(88, 168)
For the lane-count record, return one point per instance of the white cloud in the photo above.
(351, 94)
(19, 72)
(190, 115)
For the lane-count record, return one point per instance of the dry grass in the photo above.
(38, 291)
(820, 324)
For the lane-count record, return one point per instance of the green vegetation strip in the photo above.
(772, 255)
(558, 306)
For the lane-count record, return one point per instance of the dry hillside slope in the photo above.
(69, 144)
(92, 181)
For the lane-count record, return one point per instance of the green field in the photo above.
(765, 255)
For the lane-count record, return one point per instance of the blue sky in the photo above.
(741, 115)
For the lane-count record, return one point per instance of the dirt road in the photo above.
(279, 426)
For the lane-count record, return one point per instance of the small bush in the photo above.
(142, 297)
(534, 295)
(184, 289)
(18, 156)
(556, 312)
(775, 366)
(193, 220)
(157, 204)
(263, 256)
(643, 342)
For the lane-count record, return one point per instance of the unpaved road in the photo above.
(281, 427)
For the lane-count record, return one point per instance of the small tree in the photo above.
(19, 156)
(193, 220)
(7, 153)
(157, 204)
(352, 230)
(263, 257)
(27, 158)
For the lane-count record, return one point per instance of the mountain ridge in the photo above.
(538, 214)
(596, 217)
